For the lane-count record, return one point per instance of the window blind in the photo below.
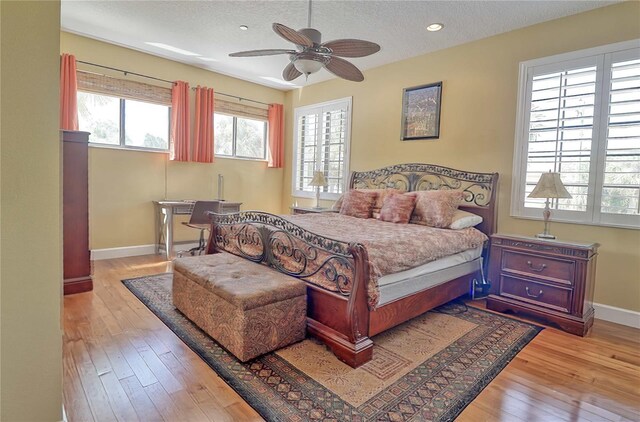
(123, 88)
(240, 110)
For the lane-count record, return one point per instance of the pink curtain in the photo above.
(203, 137)
(68, 93)
(180, 123)
(276, 136)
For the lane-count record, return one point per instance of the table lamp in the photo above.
(317, 181)
(549, 186)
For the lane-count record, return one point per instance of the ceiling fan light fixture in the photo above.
(311, 54)
(307, 66)
(244, 27)
(435, 27)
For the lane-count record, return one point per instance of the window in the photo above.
(239, 137)
(125, 123)
(579, 115)
(123, 113)
(322, 136)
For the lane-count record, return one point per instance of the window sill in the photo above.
(323, 197)
(229, 157)
(121, 148)
(582, 223)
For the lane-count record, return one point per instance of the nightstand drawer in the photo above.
(557, 298)
(543, 267)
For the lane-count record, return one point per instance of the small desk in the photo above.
(166, 209)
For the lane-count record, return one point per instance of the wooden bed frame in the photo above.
(339, 315)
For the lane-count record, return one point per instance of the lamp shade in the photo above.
(307, 66)
(318, 179)
(550, 186)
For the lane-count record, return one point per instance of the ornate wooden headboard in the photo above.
(480, 189)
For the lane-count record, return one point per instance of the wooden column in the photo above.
(75, 220)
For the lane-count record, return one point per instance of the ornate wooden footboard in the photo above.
(335, 271)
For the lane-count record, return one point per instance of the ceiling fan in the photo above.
(312, 55)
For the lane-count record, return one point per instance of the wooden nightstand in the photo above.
(549, 279)
(310, 210)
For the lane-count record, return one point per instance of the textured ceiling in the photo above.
(211, 28)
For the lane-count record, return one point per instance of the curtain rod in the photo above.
(126, 72)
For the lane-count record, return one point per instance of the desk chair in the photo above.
(200, 220)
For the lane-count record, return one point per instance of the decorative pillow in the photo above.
(382, 193)
(435, 208)
(462, 220)
(358, 203)
(397, 208)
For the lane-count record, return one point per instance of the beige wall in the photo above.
(123, 183)
(478, 123)
(30, 211)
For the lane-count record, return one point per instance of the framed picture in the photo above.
(421, 112)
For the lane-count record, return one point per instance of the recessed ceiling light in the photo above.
(172, 48)
(244, 27)
(207, 59)
(435, 27)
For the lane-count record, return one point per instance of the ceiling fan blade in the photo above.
(290, 72)
(344, 69)
(352, 47)
(292, 35)
(253, 53)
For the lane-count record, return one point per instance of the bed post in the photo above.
(351, 344)
(358, 309)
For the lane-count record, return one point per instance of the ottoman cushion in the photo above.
(239, 281)
(248, 308)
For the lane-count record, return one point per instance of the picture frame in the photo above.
(421, 112)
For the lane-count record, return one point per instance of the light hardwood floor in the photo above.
(122, 363)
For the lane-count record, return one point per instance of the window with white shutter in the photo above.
(321, 143)
(579, 115)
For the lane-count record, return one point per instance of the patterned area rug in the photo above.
(427, 369)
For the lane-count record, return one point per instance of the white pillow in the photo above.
(338, 204)
(463, 219)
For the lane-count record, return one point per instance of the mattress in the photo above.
(404, 283)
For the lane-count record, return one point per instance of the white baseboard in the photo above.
(110, 253)
(617, 315)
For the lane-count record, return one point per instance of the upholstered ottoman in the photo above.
(248, 308)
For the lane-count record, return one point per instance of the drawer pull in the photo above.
(532, 294)
(540, 268)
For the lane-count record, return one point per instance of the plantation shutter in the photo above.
(333, 148)
(621, 173)
(322, 144)
(579, 115)
(308, 140)
(561, 126)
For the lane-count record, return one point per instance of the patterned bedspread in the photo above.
(391, 247)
